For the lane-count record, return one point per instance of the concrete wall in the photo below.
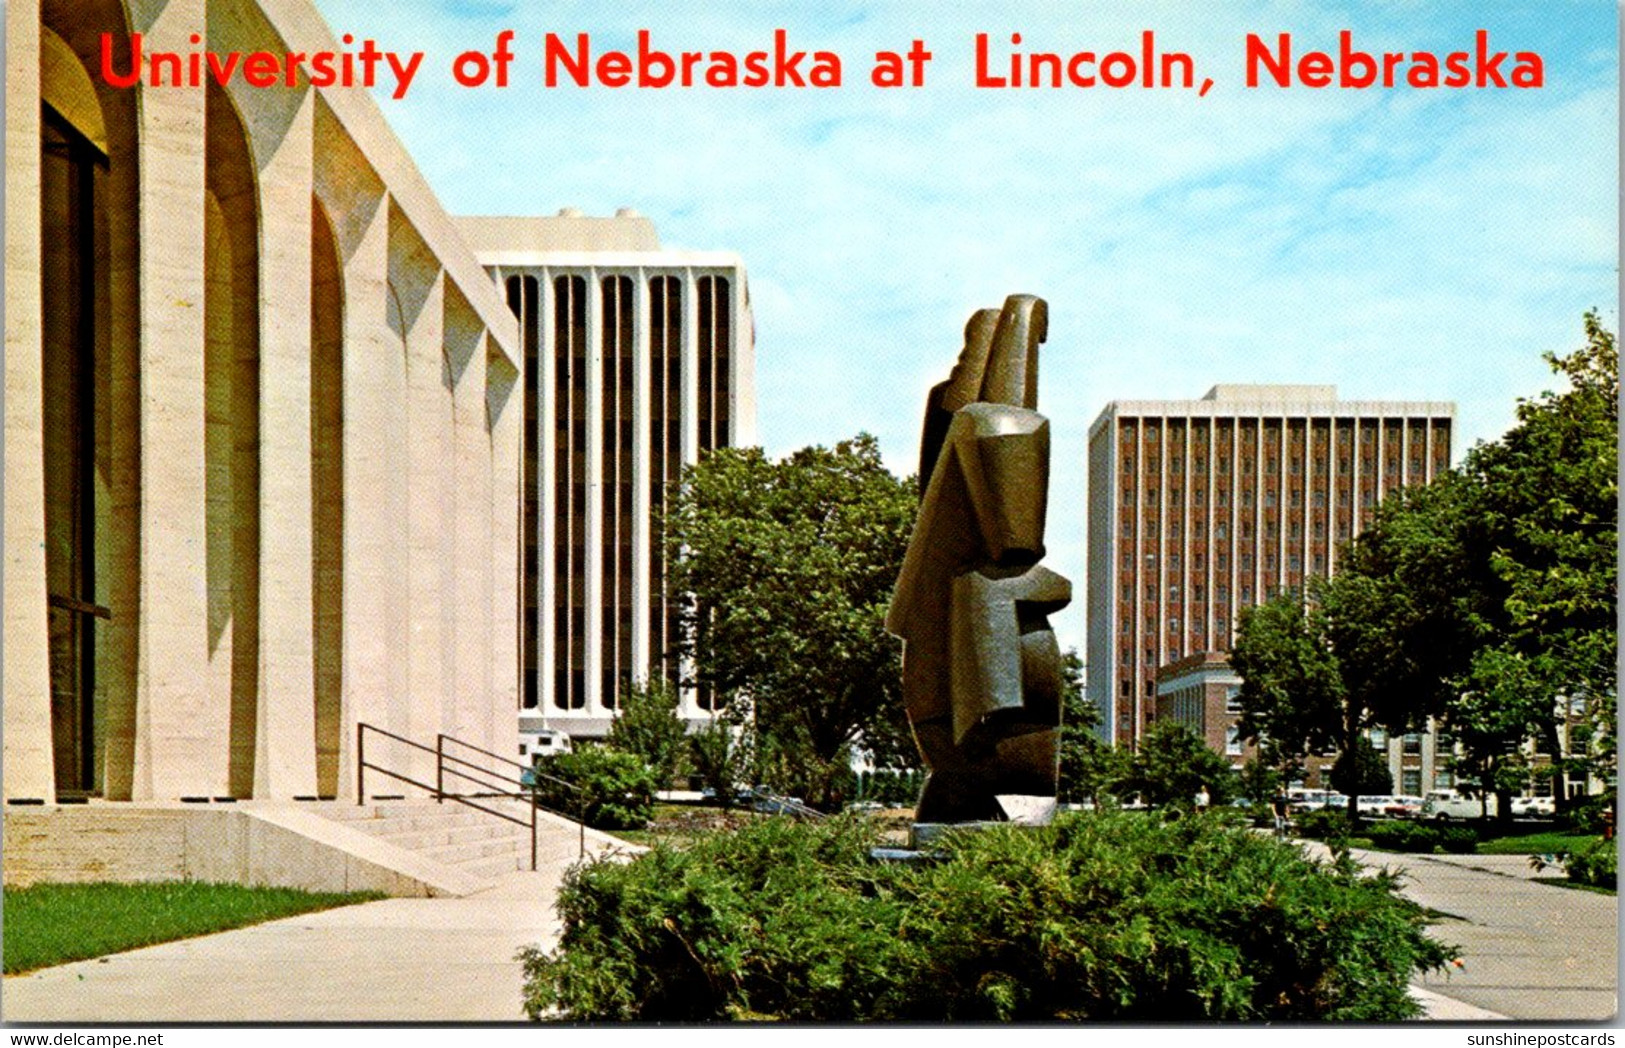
(279, 847)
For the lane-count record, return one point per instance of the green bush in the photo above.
(1397, 835)
(649, 728)
(617, 789)
(1595, 864)
(1102, 916)
(1588, 814)
(1322, 825)
(1458, 840)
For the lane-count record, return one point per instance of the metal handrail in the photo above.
(786, 805)
(524, 791)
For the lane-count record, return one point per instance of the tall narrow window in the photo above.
(665, 460)
(615, 478)
(72, 425)
(569, 491)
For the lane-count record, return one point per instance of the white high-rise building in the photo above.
(636, 360)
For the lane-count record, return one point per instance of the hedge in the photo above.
(1102, 916)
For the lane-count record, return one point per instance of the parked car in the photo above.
(1374, 806)
(1445, 805)
(1314, 800)
(1302, 799)
(1405, 806)
(1533, 807)
(865, 807)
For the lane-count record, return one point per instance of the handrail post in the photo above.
(360, 763)
(533, 835)
(440, 768)
(581, 824)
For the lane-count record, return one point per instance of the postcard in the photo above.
(474, 452)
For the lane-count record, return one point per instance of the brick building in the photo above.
(1200, 508)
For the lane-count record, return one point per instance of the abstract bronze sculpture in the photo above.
(981, 667)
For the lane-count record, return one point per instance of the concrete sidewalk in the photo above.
(1529, 950)
(397, 960)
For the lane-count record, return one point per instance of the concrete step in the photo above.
(471, 851)
(496, 866)
(416, 808)
(470, 842)
(423, 837)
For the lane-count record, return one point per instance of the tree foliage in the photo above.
(1362, 770)
(720, 754)
(649, 728)
(1089, 766)
(1484, 601)
(1291, 690)
(788, 568)
(1172, 763)
(1506, 578)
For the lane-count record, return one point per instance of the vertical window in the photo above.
(615, 478)
(523, 293)
(569, 490)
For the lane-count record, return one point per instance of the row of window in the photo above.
(1221, 497)
(1198, 465)
(1272, 433)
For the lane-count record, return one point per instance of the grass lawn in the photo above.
(50, 924)
(1547, 843)
(1564, 882)
(681, 824)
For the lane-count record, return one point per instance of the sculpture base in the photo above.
(926, 834)
(908, 855)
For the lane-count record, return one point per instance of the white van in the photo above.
(544, 742)
(1445, 805)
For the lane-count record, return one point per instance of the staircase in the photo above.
(471, 841)
(476, 820)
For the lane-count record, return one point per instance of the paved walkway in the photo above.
(397, 960)
(1530, 951)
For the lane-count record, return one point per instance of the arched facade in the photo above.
(261, 453)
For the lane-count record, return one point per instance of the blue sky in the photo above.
(1399, 243)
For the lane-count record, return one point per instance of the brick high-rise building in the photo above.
(1199, 508)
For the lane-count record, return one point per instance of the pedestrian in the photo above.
(1202, 798)
(1278, 807)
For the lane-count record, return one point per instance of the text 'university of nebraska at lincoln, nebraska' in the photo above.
(1282, 63)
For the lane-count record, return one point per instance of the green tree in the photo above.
(1291, 691)
(1547, 528)
(1498, 583)
(1293, 697)
(1172, 763)
(649, 728)
(1089, 767)
(1362, 770)
(788, 568)
(1259, 781)
(720, 754)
